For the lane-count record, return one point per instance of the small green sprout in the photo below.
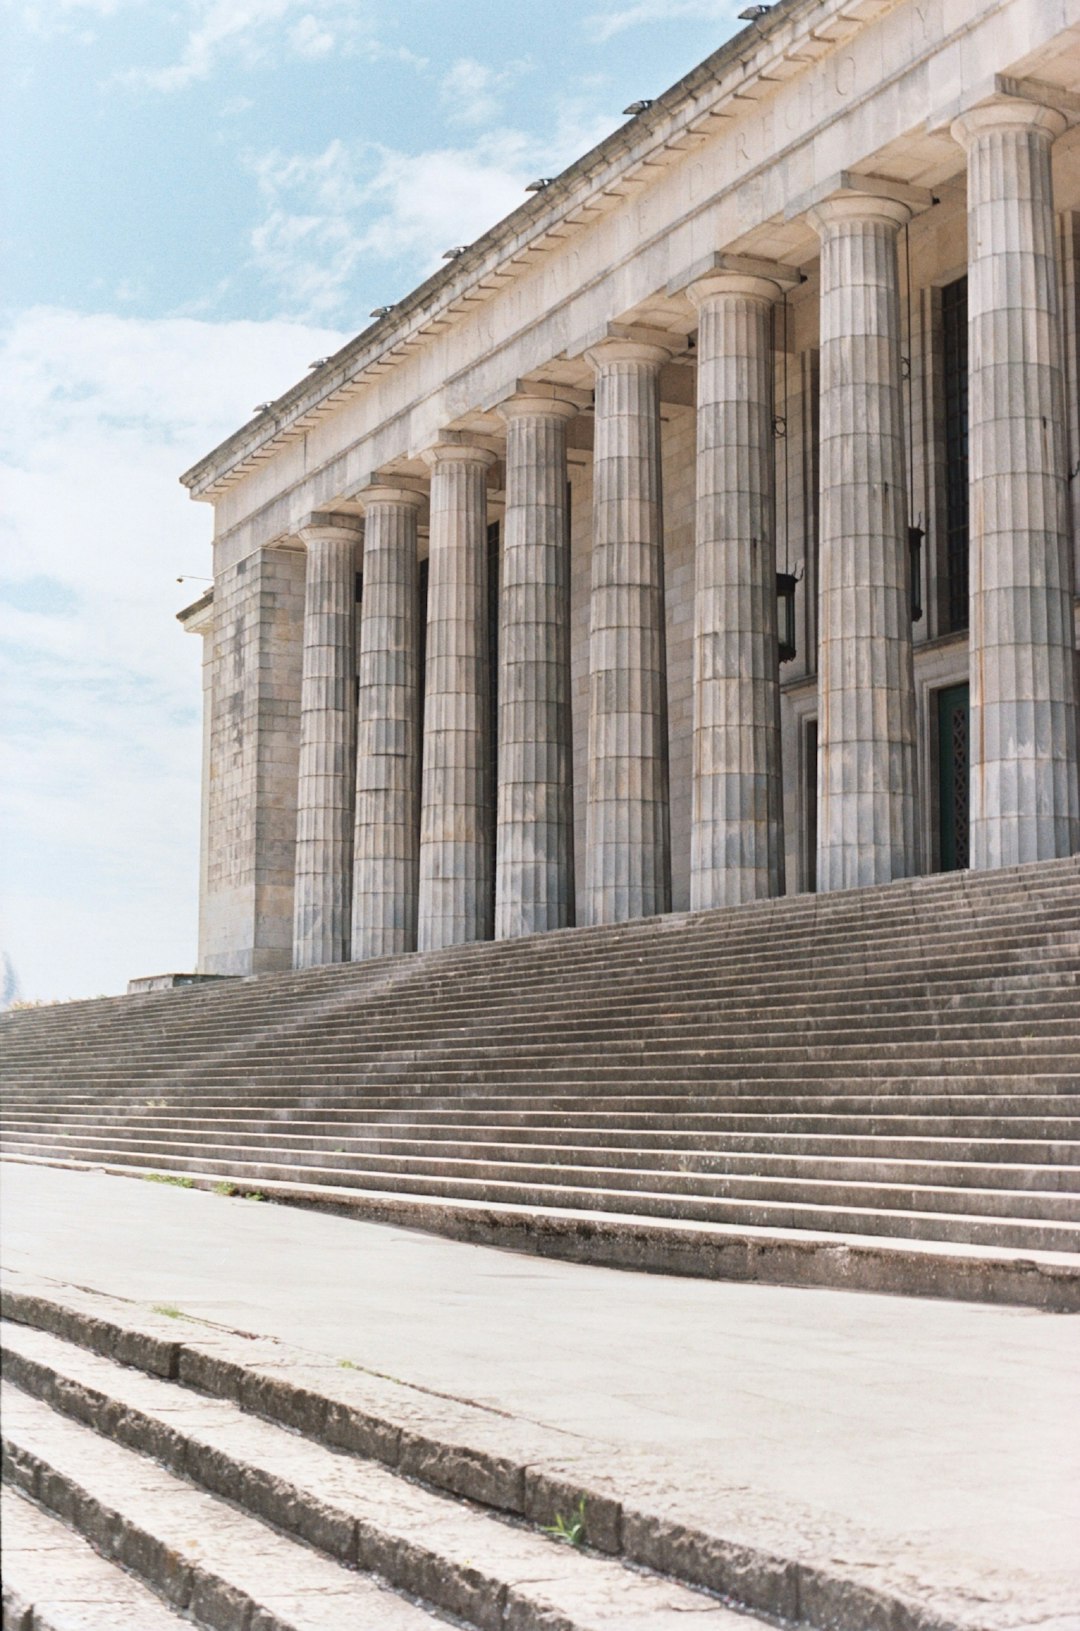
(572, 1529)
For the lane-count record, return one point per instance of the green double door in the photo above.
(952, 735)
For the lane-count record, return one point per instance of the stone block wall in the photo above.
(255, 722)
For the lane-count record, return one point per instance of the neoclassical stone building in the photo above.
(705, 531)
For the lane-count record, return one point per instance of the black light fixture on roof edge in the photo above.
(452, 254)
(635, 108)
(539, 184)
(750, 14)
(383, 311)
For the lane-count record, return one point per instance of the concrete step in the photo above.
(899, 1221)
(204, 1557)
(911, 905)
(887, 1062)
(988, 1191)
(635, 1154)
(682, 1096)
(350, 1512)
(55, 1581)
(511, 1469)
(950, 966)
(746, 1152)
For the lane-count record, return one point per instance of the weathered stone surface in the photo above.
(326, 784)
(867, 775)
(628, 840)
(1025, 782)
(455, 901)
(737, 839)
(534, 853)
(386, 853)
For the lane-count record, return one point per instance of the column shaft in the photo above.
(324, 817)
(1025, 802)
(455, 820)
(867, 769)
(628, 859)
(387, 847)
(737, 836)
(534, 852)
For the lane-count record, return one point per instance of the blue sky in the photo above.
(200, 196)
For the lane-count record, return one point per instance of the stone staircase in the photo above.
(875, 1088)
(238, 1486)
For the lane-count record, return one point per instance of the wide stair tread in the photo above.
(262, 1501)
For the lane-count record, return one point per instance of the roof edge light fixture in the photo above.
(383, 311)
(319, 362)
(539, 184)
(262, 407)
(452, 254)
(750, 14)
(639, 107)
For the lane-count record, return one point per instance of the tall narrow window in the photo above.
(810, 771)
(421, 654)
(955, 343)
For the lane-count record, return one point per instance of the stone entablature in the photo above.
(738, 297)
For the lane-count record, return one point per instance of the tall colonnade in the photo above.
(394, 843)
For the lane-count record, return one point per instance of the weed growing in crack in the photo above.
(571, 1530)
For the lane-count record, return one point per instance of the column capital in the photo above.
(330, 526)
(615, 350)
(1007, 113)
(721, 264)
(535, 402)
(391, 492)
(852, 206)
(448, 451)
(714, 284)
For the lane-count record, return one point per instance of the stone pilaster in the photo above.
(534, 845)
(1025, 804)
(455, 849)
(387, 843)
(736, 846)
(867, 769)
(627, 837)
(325, 788)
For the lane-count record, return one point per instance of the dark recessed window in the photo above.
(955, 343)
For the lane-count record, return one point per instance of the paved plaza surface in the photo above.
(942, 1438)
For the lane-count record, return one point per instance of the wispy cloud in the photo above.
(254, 33)
(329, 214)
(616, 19)
(472, 92)
(101, 689)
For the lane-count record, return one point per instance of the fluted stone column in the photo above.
(325, 790)
(1025, 804)
(737, 842)
(387, 847)
(627, 837)
(455, 848)
(867, 791)
(534, 848)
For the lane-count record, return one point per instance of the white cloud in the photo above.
(48, 18)
(101, 687)
(309, 38)
(329, 214)
(472, 92)
(254, 32)
(604, 25)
